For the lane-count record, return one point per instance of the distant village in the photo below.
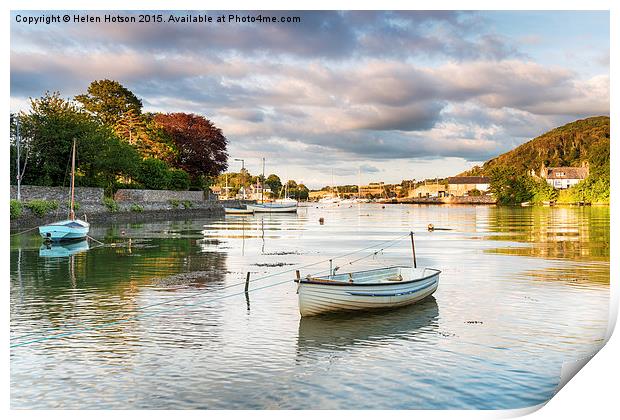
(457, 186)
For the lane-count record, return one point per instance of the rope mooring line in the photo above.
(93, 239)
(60, 335)
(140, 316)
(24, 231)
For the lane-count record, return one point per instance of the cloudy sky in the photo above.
(397, 95)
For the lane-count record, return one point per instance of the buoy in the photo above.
(321, 220)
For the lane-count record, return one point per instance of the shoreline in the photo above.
(98, 213)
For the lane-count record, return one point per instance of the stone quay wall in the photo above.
(132, 205)
(158, 196)
(59, 194)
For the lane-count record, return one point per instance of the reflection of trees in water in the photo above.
(557, 232)
(573, 274)
(343, 331)
(104, 284)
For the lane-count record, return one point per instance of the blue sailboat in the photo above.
(71, 229)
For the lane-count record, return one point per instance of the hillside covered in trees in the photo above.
(573, 144)
(569, 145)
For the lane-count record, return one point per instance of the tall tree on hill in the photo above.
(200, 145)
(109, 101)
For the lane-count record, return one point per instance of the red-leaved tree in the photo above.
(201, 146)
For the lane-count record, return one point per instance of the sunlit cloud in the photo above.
(343, 91)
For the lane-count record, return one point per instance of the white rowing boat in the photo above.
(274, 207)
(365, 290)
(237, 210)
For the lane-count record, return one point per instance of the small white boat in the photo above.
(366, 290)
(330, 200)
(238, 210)
(273, 207)
(286, 200)
(71, 229)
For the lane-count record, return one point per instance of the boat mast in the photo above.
(262, 187)
(415, 265)
(359, 182)
(71, 212)
(17, 143)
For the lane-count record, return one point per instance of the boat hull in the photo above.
(229, 210)
(273, 208)
(67, 230)
(316, 299)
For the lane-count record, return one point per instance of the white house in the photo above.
(564, 177)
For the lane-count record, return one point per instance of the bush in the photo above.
(16, 209)
(153, 174)
(110, 204)
(174, 203)
(187, 204)
(178, 179)
(137, 208)
(41, 207)
(541, 191)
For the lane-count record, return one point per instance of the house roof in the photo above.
(567, 172)
(468, 180)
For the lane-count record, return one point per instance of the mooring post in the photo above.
(413, 250)
(247, 282)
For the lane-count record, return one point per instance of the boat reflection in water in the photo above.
(340, 331)
(64, 249)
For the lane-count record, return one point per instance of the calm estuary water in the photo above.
(521, 291)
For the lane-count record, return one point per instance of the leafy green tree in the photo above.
(178, 179)
(49, 129)
(105, 159)
(153, 174)
(274, 183)
(109, 101)
(302, 192)
(509, 187)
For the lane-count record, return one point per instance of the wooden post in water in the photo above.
(413, 250)
(247, 282)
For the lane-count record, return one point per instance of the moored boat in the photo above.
(366, 290)
(273, 207)
(65, 230)
(238, 210)
(71, 229)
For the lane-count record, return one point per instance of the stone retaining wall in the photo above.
(482, 199)
(59, 194)
(157, 196)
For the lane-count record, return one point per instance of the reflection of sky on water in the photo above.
(514, 302)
